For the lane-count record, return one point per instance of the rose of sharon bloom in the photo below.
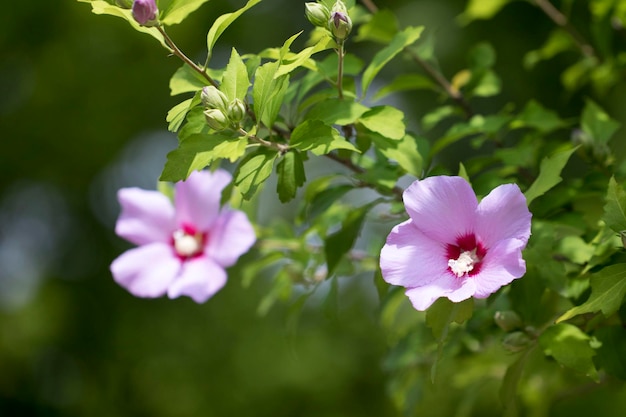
(183, 248)
(144, 11)
(454, 247)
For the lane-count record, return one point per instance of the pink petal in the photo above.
(503, 214)
(146, 217)
(231, 236)
(200, 278)
(146, 271)
(198, 198)
(443, 208)
(502, 264)
(449, 286)
(410, 258)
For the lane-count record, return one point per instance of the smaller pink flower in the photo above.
(183, 248)
(145, 12)
(454, 247)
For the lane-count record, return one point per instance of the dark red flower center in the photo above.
(465, 257)
(188, 242)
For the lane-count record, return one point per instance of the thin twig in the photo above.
(184, 57)
(560, 19)
(278, 147)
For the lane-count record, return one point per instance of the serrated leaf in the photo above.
(549, 174)
(608, 287)
(253, 170)
(615, 208)
(570, 347)
(103, 7)
(339, 243)
(178, 10)
(334, 111)
(385, 120)
(222, 23)
(198, 151)
(597, 124)
(406, 152)
(319, 138)
(235, 80)
(291, 176)
(400, 41)
(268, 93)
(185, 80)
(291, 62)
(538, 117)
(176, 115)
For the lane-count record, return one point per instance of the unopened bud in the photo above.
(213, 98)
(516, 341)
(507, 320)
(145, 12)
(339, 23)
(317, 14)
(216, 119)
(236, 111)
(124, 4)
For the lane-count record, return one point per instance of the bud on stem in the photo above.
(145, 12)
(317, 14)
(339, 23)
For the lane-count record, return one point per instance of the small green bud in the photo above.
(516, 341)
(339, 23)
(214, 98)
(216, 119)
(507, 320)
(236, 111)
(317, 14)
(124, 4)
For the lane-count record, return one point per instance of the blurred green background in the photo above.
(82, 106)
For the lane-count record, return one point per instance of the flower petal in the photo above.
(146, 217)
(231, 236)
(443, 208)
(146, 271)
(199, 279)
(503, 214)
(198, 198)
(410, 258)
(502, 264)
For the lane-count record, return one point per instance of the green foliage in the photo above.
(571, 347)
(173, 12)
(221, 24)
(549, 174)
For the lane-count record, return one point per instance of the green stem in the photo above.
(340, 52)
(176, 51)
(278, 147)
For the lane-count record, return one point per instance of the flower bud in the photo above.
(214, 98)
(317, 14)
(125, 4)
(145, 12)
(508, 320)
(236, 111)
(339, 23)
(216, 119)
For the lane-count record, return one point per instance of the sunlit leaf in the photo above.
(319, 138)
(268, 93)
(222, 23)
(334, 111)
(177, 10)
(538, 117)
(570, 347)
(253, 170)
(235, 80)
(385, 120)
(481, 9)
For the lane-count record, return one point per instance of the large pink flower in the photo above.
(183, 248)
(454, 247)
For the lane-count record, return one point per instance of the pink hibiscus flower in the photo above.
(454, 247)
(183, 248)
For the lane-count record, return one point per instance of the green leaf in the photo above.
(292, 61)
(611, 354)
(198, 151)
(510, 382)
(268, 93)
(558, 41)
(178, 10)
(290, 170)
(481, 9)
(334, 111)
(400, 41)
(322, 199)
(615, 208)
(538, 117)
(176, 115)
(103, 7)
(381, 28)
(444, 312)
(570, 347)
(235, 80)
(222, 23)
(186, 80)
(339, 243)
(549, 174)
(432, 119)
(385, 120)
(608, 287)
(253, 170)
(406, 152)
(406, 82)
(319, 138)
(597, 124)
